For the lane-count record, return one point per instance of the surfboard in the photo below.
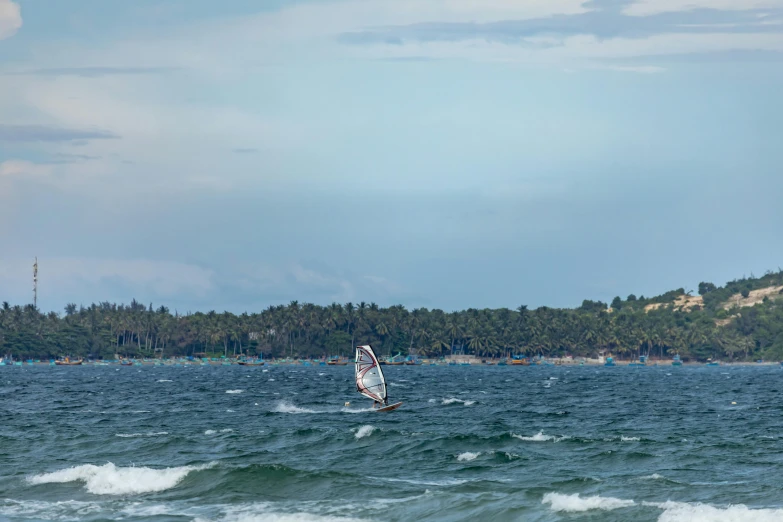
(390, 407)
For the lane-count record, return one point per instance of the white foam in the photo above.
(364, 431)
(227, 430)
(210, 432)
(260, 513)
(654, 476)
(576, 504)
(165, 380)
(682, 512)
(287, 407)
(452, 400)
(452, 482)
(361, 410)
(234, 391)
(112, 480)
(43, 510)
(467, 456)
(540, 437)
(148, 434)
(623, 438)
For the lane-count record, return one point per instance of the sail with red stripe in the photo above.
(369, 377)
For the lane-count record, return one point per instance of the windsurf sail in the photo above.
(369, 377)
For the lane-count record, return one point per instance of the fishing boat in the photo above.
(68, 362)
(337, 361)
(677, 361)
(369, 379)
(519, 360)
(412, 360)
(250, 362)
(609, 361)
(710, 362)
(397, 360)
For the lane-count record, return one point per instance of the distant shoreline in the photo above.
(267, 364)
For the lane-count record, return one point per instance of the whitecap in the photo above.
(287, 407)
(623, 438)
(364, 431)
(361, 410)
(467, 456)
(450, 482)
(148, 434)
(682, 512)
(112, 480)
(453, 400)
(210, 432)
(576, 504)
(234, 391)
(165, 380)
(540, 437)
(654, 476)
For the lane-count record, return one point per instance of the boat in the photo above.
(412, 360)
(370, 381)
(251, 362)
(68, 362)
(609, 361)
(710, 362)
(397, 360)
(677, 361)
(337, 361)
(520, 360)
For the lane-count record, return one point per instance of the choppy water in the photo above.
(470, 443)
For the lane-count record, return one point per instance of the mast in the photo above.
(35, 282)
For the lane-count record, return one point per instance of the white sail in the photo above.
(369, 377)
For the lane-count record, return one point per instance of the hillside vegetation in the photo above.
(742, 320)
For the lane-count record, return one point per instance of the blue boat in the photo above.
(677, 361)
(609, 362)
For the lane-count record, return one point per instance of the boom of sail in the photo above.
(369, 377)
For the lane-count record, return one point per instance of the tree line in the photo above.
(626, 329)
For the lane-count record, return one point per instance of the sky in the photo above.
(444, 154)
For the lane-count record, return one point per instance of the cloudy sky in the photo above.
(439, 153)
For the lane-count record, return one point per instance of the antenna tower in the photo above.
(35, 282)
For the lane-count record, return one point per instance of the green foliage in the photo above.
(705, 288)
(307, 330)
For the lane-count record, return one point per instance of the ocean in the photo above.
(277, 444)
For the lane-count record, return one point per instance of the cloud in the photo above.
(650, 7)
(601, 23)
(10, 18)
(46, 133)
(92, 72)
(25, 169)
(92, 278)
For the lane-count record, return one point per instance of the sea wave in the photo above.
(576, 504)
(113, 480)
(148, 434)
(540, 437)
(234, 391)
(453, 400)
(467, 456)
(684, 512)
(288, 407)
(364, 431)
